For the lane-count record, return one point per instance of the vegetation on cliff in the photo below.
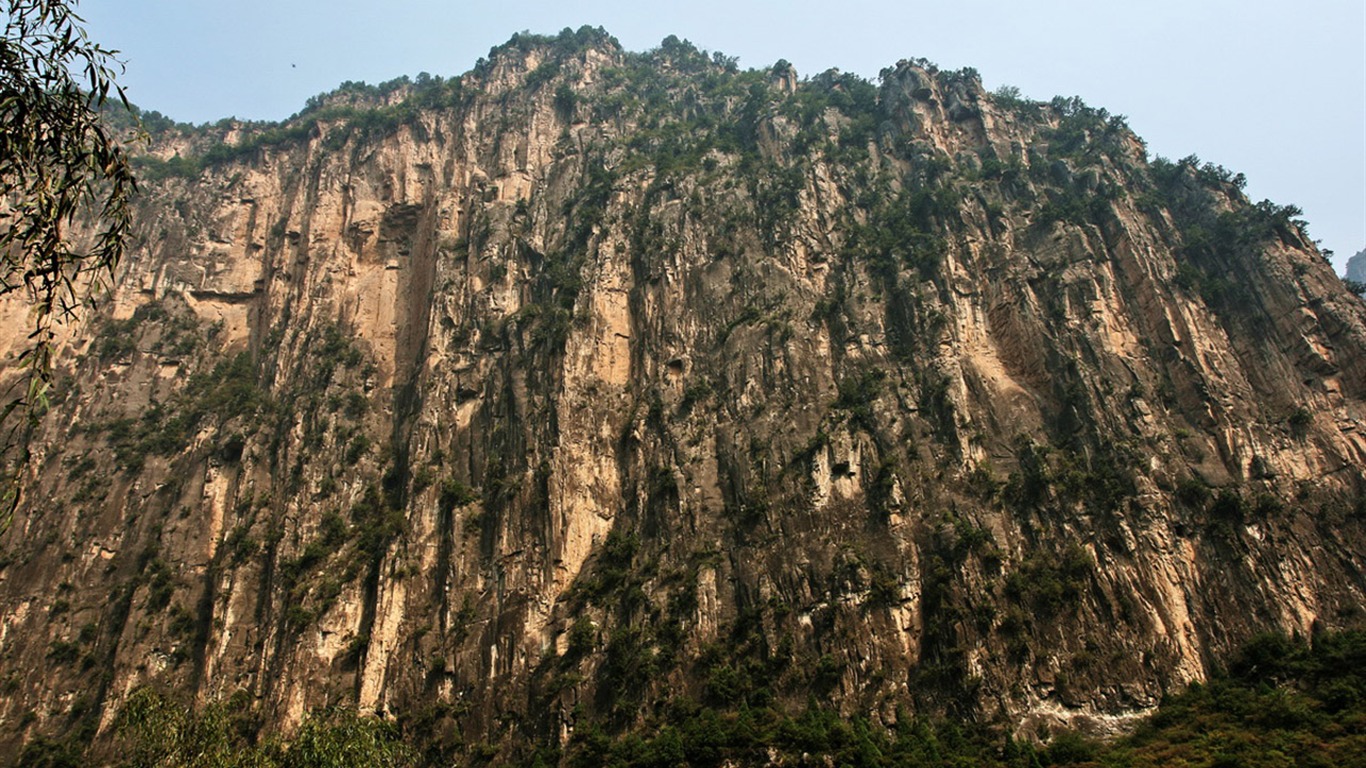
(61, 165)
(601, 406)
(1280, 702)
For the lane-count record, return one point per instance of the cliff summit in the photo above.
(559, 397)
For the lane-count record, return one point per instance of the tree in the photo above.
(65, 184)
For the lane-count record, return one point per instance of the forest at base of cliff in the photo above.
(1281, 702)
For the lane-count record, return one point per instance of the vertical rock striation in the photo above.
(517, 401)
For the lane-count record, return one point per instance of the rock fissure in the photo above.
(514, 405)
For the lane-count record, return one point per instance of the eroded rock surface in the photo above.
(535, 396)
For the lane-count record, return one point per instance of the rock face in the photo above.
(1356, 267)
(512, 403)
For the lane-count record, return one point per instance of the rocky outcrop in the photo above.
(1356, 267)
(510, 403)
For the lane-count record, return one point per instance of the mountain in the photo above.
(1356, 267)
(532, 406)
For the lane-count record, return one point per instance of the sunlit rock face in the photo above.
(592, 379)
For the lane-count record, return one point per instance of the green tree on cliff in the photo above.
(59, 166)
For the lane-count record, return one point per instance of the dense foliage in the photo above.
(159, 732)
(1282, 702)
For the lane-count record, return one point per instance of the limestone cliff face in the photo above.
(531, 398)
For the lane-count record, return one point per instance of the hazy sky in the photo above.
(1276, 90)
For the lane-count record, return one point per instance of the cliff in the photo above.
(1356, 267)
(589, 381)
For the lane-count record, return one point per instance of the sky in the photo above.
(1274, 90)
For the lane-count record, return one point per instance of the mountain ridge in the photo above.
(596, 376)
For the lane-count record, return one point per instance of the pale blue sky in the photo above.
(1275, 90)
